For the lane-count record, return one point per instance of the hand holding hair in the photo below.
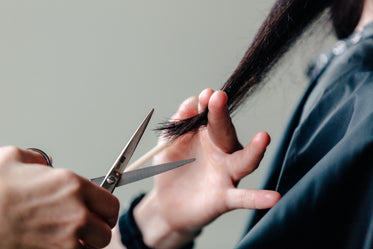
(186, 199)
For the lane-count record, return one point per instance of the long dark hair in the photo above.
(284, 24)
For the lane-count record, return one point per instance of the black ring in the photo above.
(45, 155)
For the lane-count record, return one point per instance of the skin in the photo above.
(366, 15)
(42, 207)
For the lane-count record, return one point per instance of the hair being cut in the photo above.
(284, 24)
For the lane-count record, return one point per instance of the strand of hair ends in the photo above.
(284, 24)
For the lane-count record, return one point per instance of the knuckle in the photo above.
(66, 174)
(243, 198)
(8, 153)
(10, 149)
(70, 242)
(69, 184)
(70, 178)
(248, 199)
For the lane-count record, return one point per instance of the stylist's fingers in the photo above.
(194, 105)
(220, 127)
(251, 199)
(187, 109)
(245, 161)
(96, 233)
(203, 99)
(101, 202)
(12, 153)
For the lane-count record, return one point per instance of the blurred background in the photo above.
(78, 76)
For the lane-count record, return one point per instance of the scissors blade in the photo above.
(124, 157)
(139, 174)
(115, 172)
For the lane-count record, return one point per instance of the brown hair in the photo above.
(285, 22)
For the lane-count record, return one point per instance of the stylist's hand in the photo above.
(42, 207)
(186, 199)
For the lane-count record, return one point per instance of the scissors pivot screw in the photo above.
(110, 179)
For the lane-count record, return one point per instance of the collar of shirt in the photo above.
(323, 60)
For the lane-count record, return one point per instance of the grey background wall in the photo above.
(77, 77)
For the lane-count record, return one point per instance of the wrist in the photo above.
(156, 231)
(131, 236)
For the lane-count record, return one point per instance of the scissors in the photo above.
(117, 176)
